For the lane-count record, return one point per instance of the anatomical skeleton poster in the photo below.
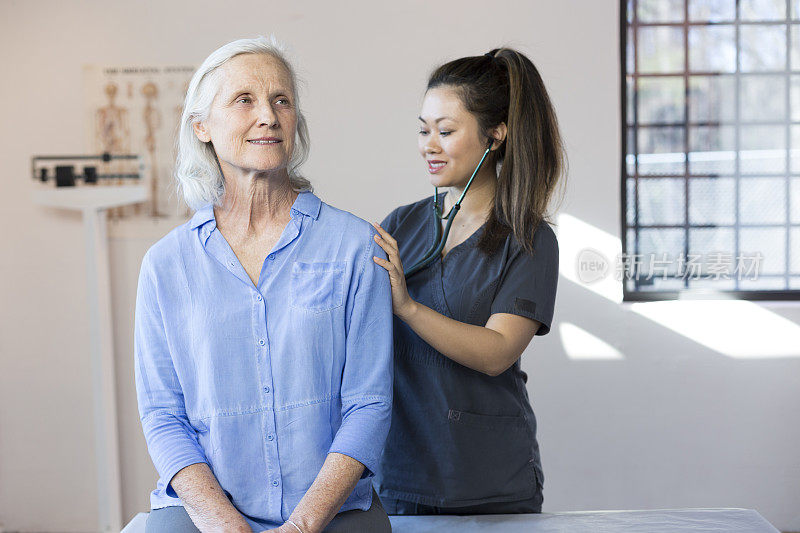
(137, 110)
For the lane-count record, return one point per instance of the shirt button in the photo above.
(266, 389)
(261, 342)
(232, 263)
(270, 437)
(275, 483)
(259, 298)
(271, 256)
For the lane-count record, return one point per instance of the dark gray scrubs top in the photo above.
(460, 437)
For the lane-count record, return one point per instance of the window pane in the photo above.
(712, 150)
(661, 151)
(712, 201)
(712, 98)
(712, 49)
(712, 10)
(631, 244)
(795, 98)
(660, 10)
(661, 201)
(762, 200)
(762, 9)
(629, 84)
(631, 200)
(703, 241)
(795, 52)
(770, 242)
(713, 250)
(653, 243)
(762, 98)
(794, 153)
(660, 49)
(661, 100)
(762, 48)
(763, 149)
(631, 65)
(631, 157)
(794, 246)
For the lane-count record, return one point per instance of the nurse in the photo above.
(463, 434)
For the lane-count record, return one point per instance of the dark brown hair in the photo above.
(504, 86)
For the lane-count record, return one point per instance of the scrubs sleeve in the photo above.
(528, 287)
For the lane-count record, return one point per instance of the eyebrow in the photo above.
(438, 119)
(248, 89)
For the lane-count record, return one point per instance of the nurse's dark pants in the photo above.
(401, 507)
(374, 520)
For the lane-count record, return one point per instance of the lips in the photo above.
(435, 166)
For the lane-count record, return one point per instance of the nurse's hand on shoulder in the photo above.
(402, 304)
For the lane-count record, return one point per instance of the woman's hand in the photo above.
(402, 304)
(285, 528)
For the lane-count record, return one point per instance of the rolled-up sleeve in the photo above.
(366, 389)
(171, 440)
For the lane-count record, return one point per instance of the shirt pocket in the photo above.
(317, 287)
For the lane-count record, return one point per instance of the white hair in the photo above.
(197, 172)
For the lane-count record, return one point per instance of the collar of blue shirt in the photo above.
(306, 203)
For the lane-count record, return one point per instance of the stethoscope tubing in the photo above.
(440, 238)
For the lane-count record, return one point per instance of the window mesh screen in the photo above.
(712, 163)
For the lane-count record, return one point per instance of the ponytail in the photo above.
(504, 86)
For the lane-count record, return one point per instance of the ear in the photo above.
(498, 133)
(201, 132)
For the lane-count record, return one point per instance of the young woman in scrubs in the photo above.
(463, 434)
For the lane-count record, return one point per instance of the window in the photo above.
(711, 148)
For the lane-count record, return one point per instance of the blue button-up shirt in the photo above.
(262, 382)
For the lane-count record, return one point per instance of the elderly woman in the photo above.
(263, 349)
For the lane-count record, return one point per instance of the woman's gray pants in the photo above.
(175, 519)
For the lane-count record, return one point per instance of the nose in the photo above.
(267, 116)
(430, 145)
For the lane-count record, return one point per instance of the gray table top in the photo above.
(648, 521)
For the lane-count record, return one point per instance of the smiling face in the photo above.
(253, 118)
(450, 139)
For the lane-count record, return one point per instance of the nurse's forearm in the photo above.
(335, 482)
(205, 502)
(476, 347)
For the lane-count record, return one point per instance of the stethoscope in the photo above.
(439, 239)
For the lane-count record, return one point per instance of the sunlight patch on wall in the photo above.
(736, 328)
(581, 345)
(589, 257)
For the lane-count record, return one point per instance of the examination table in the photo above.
(651, 521)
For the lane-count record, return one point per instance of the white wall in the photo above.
(673, 423)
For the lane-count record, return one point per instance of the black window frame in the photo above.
(689, 293)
